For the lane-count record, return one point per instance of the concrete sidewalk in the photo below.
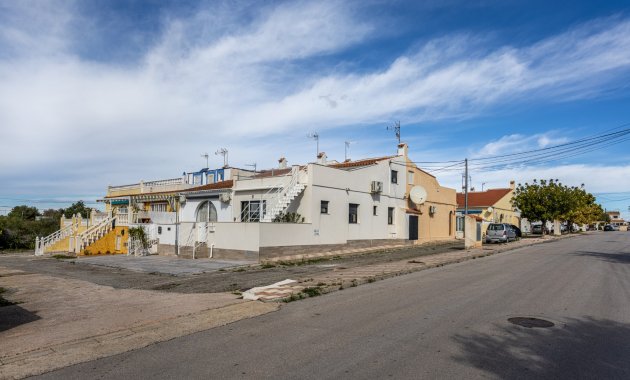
(58, 321)
(161, 264)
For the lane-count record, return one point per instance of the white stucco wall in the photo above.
(188, 212)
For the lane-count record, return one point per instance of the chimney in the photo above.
(403, 149)
(512, 184)
(282, 163)
(321, 158)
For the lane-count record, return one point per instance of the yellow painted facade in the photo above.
(114, 242)
(502, 212)
(439, 225)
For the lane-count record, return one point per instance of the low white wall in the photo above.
(237, 236)
(293, 234)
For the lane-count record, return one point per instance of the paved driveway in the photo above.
(161, 264)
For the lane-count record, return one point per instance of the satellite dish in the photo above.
(418, 195)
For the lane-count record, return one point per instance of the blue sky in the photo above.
(110, 92)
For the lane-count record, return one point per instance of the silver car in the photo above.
(500, 233)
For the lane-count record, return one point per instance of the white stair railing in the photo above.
(42, 243)
(94, 233)
(285, 195)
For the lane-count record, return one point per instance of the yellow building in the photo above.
(492, 206)
(436, 216)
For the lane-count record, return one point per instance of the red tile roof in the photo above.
(482, 198)
(211, 186)
(358, 163)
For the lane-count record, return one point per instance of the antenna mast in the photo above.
(315, 136)
(223, 152)
(347, 146)
(396, 128)
(206, 157)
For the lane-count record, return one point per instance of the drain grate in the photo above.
(530, 322)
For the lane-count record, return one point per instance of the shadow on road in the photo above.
(13, 316)
(584, 348)
(623, 258)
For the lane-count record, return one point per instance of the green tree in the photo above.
(77, 208)
(548, 200)
(24, 212)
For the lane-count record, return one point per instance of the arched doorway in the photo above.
(206, 212)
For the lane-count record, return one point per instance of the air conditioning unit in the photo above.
(376, 187)
(432, 210)
(225, 197)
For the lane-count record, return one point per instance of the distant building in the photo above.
(492, 206)
(616, 219)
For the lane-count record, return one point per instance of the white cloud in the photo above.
(212, 81)
(519, 143)
(596, 178)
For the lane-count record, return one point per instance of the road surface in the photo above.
(449, 322)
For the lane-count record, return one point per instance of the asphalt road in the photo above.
(449, 322)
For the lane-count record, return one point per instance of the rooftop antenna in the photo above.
(315, 136)
(482, 184)
(206, 155)
(396, 128)
(252, 165)
(223, 152)
(347, 146)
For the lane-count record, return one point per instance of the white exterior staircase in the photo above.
(42, 244)
(285, 195)
(94, 233)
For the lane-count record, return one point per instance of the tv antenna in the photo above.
(314, 136)
(347, 146)
(396, 128)
(206, 155)
(223, 152)
(252, 165)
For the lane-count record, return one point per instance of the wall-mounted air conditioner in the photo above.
(432, 210)
(376, 187)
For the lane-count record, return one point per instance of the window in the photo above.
(159, 230)
(206, 212)
(374, 209)
(353, 213)
(410, 177)
(459, 223)
(252, 211)
(390, 215)
(394, 176)
(161, 207)
(324, 207)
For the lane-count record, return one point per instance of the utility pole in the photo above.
(465, 191)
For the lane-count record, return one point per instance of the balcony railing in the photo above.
(171, 184)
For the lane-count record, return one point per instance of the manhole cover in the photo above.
(530, 322)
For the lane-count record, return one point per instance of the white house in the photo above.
(332, 205)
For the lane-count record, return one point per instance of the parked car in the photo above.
(517, 230)
(538, 229)
(608, 227)
(500, 233)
